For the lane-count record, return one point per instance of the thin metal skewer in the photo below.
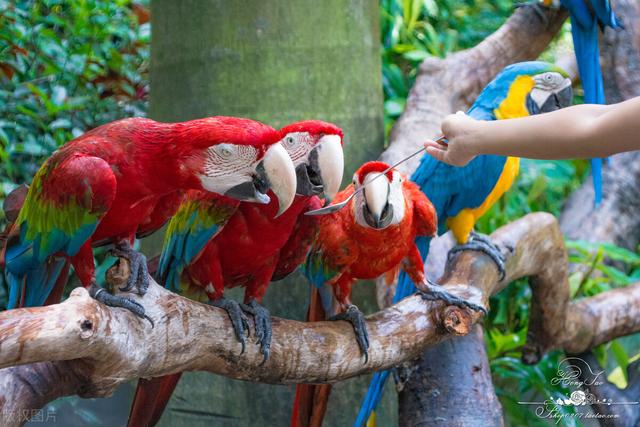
(336, 207)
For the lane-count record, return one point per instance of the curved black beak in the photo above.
(322, 172)
(308, 177)
(378, 221)
(561, 98)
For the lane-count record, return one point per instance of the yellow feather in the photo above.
(371, 422)
(513, 106)
(515, 103)
(462, 224)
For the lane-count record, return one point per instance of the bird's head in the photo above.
(524, 89)
(315, 148)
(381, 203)
(238, 158)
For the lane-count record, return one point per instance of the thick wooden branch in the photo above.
(82, 347)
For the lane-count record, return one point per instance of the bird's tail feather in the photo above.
(376, 386)
(151, 399)
(310, 403)
(585, 41)
(34, 287)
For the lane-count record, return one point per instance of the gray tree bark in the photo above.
(278, 62)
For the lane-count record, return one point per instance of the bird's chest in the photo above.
(249, 241)
(381, 251)
(125, 217)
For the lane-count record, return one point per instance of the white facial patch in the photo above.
(298, 146)
(227, 165)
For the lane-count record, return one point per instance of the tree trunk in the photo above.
(277, 62)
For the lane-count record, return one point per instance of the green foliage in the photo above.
(65, 67)
(413, 30)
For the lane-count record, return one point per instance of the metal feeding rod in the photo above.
(337, 206)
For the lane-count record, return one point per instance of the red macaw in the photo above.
(125, 179)
(214, 243)
(372, 236)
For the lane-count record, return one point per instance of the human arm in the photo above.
(581, 131)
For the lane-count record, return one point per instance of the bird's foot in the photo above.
(482, 243)
(139, 274)
(435, 292)
(238, 319)
(262, 323)
(354, 316)
(539, 8)
(101, 295)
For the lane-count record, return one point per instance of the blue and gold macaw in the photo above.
(461, 195)
(586, 17)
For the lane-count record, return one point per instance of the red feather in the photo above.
(358, 252)
(252, 249)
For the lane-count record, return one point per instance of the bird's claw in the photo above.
(354, 316)
(436, 292)
(101, 295)
(239, 321)
(481, 243)
(262, 324)
(139, 274)
(538, 8)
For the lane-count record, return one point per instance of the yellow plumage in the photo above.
(513, 106)
(462, 224)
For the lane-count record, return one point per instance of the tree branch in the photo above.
(83, 347)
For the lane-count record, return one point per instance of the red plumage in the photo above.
(252, 248)
(346, 250)
(128, 178)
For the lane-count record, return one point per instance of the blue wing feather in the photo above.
(189, 231)
(49, 229)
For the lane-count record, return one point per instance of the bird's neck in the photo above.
(171, 154)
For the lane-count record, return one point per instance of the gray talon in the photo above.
(139, 275)
(238, 319)
(438, 293)
(481, 243)
(354, 316)
(101, 295)
(262, 324)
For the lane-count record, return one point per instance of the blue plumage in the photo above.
(585, 20)
(193, 226)
(451, 189)
(31, 261)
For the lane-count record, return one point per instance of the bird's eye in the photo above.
(289, 140)
(225, 151)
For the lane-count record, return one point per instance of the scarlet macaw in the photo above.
(461, 195)
(586, 17)
(213, 243)
(372, 236)
(125, 179)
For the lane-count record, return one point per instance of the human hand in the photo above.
(460, 131)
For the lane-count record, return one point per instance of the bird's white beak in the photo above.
(330, 164)
(279, 172)
(378, 212)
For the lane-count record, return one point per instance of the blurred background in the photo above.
(69, 66)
